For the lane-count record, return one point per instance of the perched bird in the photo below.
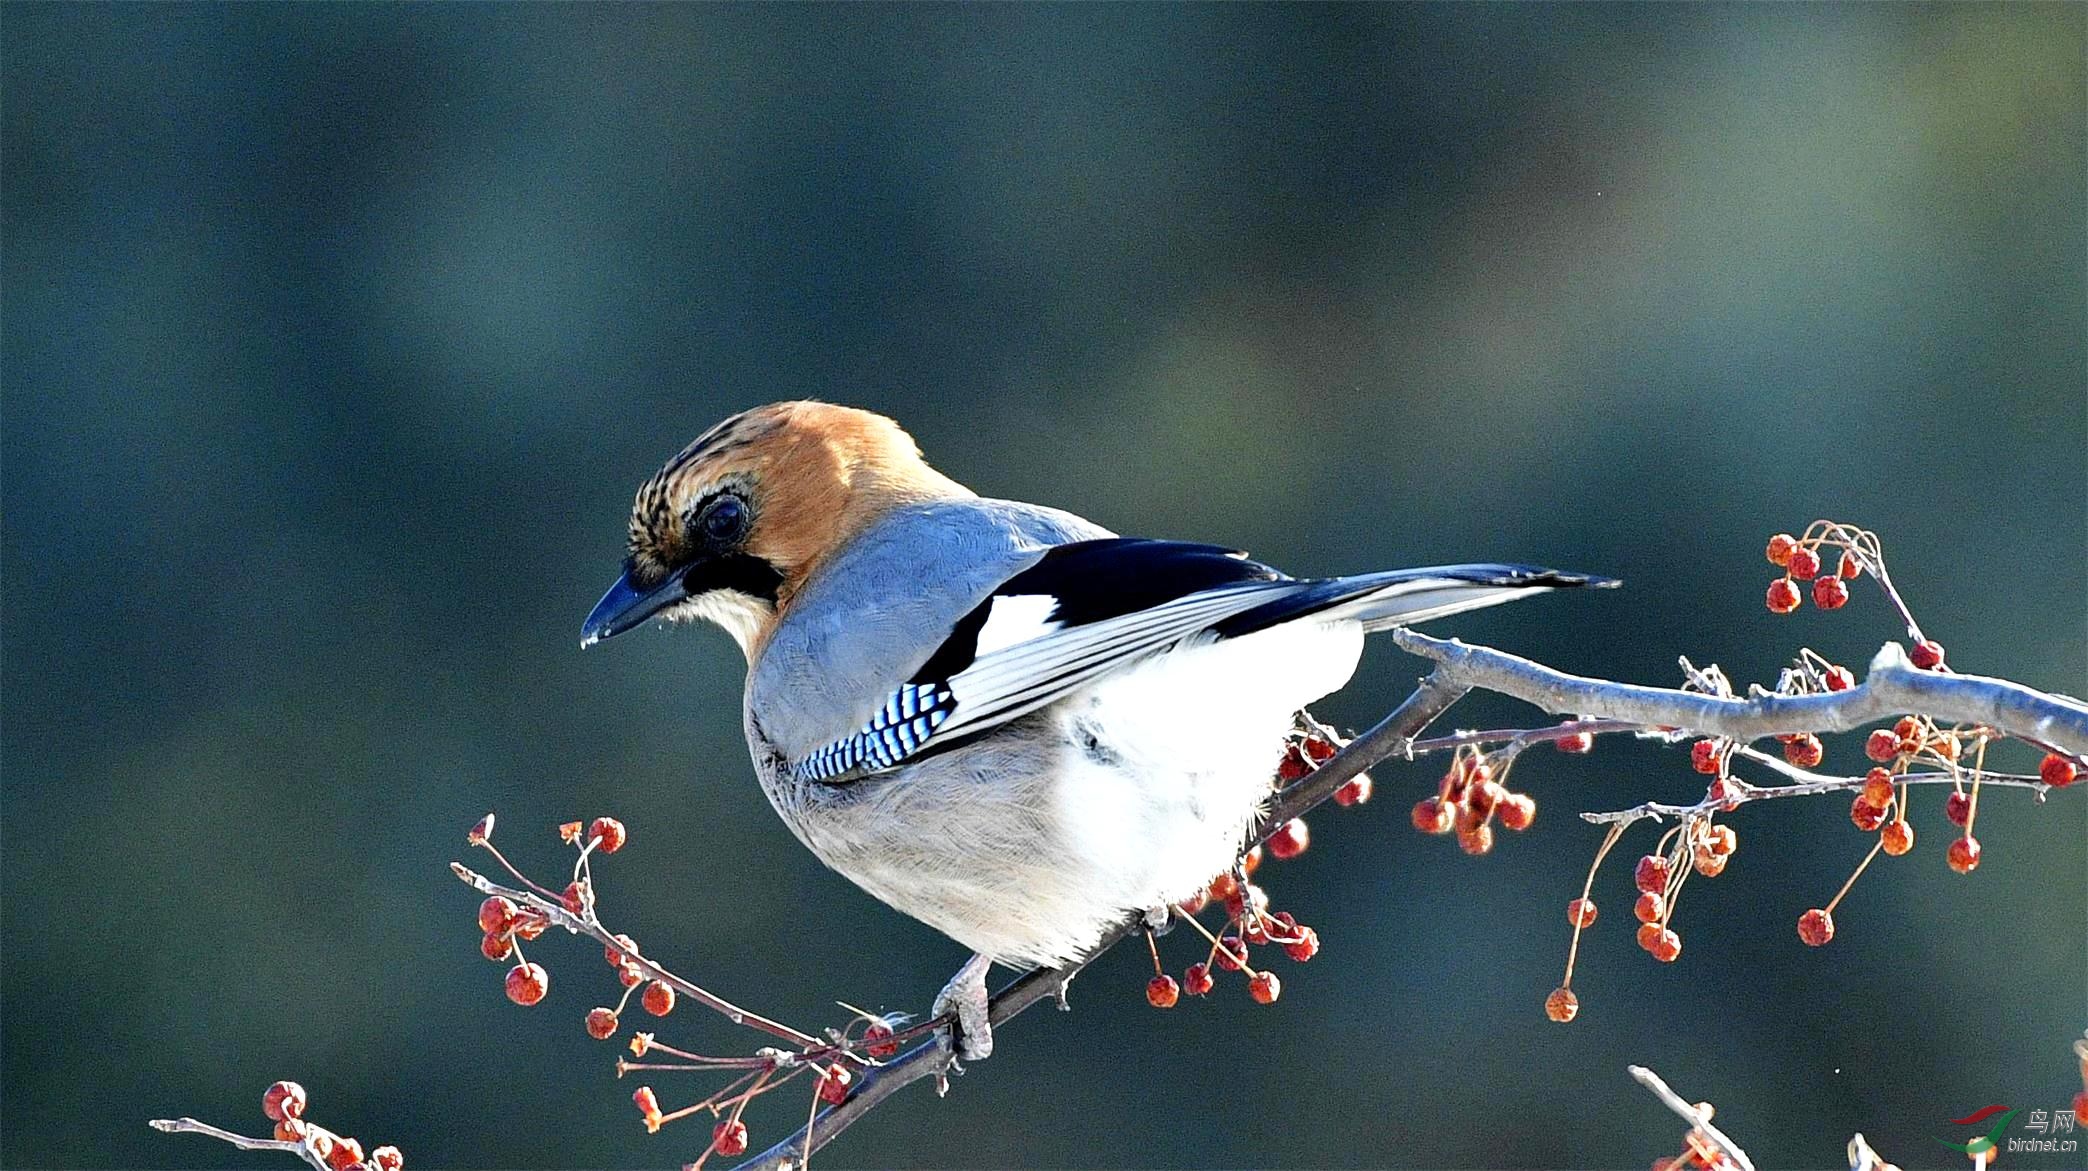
(999, 718)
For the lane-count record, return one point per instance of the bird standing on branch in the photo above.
(999, 718)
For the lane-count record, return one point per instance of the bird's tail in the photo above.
(1402, 597)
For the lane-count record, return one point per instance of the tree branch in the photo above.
(1894, 687)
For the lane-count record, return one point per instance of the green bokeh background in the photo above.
(336, 339)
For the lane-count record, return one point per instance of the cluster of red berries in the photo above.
(1305, 753)
(1248, 924)
(1658, 878)
(1912, 738)
(504, 925)
(1800, 561)
(1468, 800)
(284, 1104)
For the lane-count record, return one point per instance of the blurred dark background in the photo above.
(336, 339)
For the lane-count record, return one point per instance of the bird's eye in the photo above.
(725, 519)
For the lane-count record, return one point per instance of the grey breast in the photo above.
(870, 616)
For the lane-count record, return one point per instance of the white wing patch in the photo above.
(1016, 618)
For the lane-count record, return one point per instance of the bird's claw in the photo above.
(969, 1035)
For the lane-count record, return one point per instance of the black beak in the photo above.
(625, 607)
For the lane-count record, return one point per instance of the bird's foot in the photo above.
(969, 1035)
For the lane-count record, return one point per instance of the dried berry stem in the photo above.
(1856, 874)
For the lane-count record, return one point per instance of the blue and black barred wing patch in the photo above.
(897, 731)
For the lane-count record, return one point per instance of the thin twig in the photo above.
(1696, 1118)
(296, 1147)
(560, 917)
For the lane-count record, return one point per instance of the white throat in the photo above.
(740, 615)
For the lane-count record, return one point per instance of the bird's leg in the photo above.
(969, 1034)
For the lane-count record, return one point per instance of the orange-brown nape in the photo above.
(810, 474)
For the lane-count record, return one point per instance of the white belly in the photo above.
(1130, 794)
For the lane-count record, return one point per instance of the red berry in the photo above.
(527, 983)
(1581, 912)
(1666, 947)
(1475, 841)
(1958, 808)
(657, 998)
(497, 947)
(1432, 816)
(834, 1084)
(1651, 874)
(625, 948)
(1927, 654)
(1782, 597)
(1320, 749)
(877, 1046)
(1721, 840)
(1197, 981)
(1162, 991)
(1805, 750)
(531, 923)
(1561, 1005)
(1881, 746)
(1293, 766)
(387, 1158)
(1230, 949)
(1264, 987)
(1708, 864)
(1224, 888)
(1650, 907)
(1866, 816)
(346, 1153)
(1804, 564)
(1877, 788)
(1722, 793)
(1304, 947)
(647, 1104)
(629, 976)
(574, 898)
(729, 1138)
(610, 832)
(1829, 593)
(1781, 546)
(1290, 839)
(1480, 800)
(1517, 811)
(1897, 837)
(1703, 756)
(1849, 567)
(496, 914)
(1354, 791)
(1964, 854)
(283, 1101)
(601, 1024)
(1816, 926)
(290, 1130)
(2057, 771)
(1577, 743)
(1839, 678)
(1648, 935)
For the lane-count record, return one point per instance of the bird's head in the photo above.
(736, 523)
